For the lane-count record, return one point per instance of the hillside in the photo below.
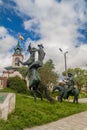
(29, 113)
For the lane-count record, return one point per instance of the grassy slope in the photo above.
(29, 113)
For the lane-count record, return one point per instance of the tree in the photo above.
(17, 84)
(23, 71)
(47, 73)
(80, 76)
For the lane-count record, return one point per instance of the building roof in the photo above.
(18, 49)
(10, 68)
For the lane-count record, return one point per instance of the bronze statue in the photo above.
(32, 56)
(70, 83)
(41, 55)
(34, 77)
(66, 92)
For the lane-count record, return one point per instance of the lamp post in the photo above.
(64, 53)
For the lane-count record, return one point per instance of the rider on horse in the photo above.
(70, 83)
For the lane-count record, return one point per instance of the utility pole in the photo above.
(65, 61)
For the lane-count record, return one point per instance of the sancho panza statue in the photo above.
(70, 83)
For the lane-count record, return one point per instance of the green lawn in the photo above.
(29, 113)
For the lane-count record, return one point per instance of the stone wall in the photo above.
(7, 104)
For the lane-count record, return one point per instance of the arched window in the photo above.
(17, 61)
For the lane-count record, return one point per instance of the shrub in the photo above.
(17, 84)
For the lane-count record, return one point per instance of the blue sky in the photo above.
(14, 22)
(54, 23)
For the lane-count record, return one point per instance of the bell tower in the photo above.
(17, 56)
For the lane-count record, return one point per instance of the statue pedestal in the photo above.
(7, 104)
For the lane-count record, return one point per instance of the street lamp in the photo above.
(64, 53)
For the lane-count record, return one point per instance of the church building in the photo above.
(12, 71)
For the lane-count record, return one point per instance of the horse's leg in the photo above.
(74, 99)
(32, 88)
(40, 94)
(38, 91)
(59, 98)
(34, 94)
(75, 93)
(33, 91)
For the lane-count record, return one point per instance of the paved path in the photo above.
(82, 100)
(74, 122)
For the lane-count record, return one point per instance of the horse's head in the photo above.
(60, 88)
(55, 88)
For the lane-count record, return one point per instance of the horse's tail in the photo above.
(48, 96)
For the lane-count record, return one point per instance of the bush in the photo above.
(17, 84)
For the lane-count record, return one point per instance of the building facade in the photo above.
(3, 82)
(12, 71)
(17, 56)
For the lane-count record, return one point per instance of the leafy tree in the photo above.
(23, 70)
(80, 76)
(17, 84)
(47, 73)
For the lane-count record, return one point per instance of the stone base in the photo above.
(7, 104)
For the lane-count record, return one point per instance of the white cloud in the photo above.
(58, 24)
(32, 25)
(6, 43)
(1, 2)
(3, 31)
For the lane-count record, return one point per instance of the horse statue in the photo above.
(61, 89)
(34, 77)
(64, 92)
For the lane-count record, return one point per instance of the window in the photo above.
(17, 61)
